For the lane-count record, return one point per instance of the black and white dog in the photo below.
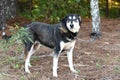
(59, 37)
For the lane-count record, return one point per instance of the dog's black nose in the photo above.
(71, 25)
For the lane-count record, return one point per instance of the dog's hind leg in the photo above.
(27, 61)
(26, 56)
(55, 64)
(32, 50)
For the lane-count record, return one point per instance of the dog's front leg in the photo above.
(56, 55)
(70, 59)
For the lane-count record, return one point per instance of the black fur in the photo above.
(48, 35)
(59, 37)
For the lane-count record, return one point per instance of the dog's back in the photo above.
(42, 32)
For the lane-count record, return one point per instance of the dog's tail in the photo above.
(4, 35)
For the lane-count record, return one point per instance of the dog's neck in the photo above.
(67, 34)
(71, 36)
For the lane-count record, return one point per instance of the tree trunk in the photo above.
(7, 11)
(107, 8)
(95, 19)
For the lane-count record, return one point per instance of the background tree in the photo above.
(54, 10)
(107, 8)
(95, 19)
(7, 11)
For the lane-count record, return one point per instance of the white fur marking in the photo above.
(55, 64)
(67, 45)
(70, 47)
(70, 59)
(75, 28)
(27, 61)
(3, 33)
(74, 17)
(70, 17)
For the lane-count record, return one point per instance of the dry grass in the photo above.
(99, 60)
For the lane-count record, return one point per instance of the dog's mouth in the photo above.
(74, 30)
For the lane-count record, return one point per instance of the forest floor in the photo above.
(98, 60)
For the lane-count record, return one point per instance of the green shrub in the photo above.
(54, 10)
(18, 37)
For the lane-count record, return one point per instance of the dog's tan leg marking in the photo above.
(34, 47)
(55, 60)
(70, 59)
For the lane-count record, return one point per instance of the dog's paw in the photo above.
(29, 65)
(55, 74)
(27, 71)
(74, 71)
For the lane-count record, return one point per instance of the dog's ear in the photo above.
(63, 21)
(80, 18)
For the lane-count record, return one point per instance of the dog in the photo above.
(59, 37)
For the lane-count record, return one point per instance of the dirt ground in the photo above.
(98, 60)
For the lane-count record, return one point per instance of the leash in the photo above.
(93, 37)
(87, 41)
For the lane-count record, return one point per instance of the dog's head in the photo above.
(72, 22)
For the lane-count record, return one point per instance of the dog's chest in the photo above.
(67, 46)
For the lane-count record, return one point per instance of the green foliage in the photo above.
(114, 12)
(54, 10)
(18, 37)
(114, 9)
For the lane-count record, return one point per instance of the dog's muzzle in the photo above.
(71, 25)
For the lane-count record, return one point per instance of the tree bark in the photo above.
(7, 11)
(95, 19)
